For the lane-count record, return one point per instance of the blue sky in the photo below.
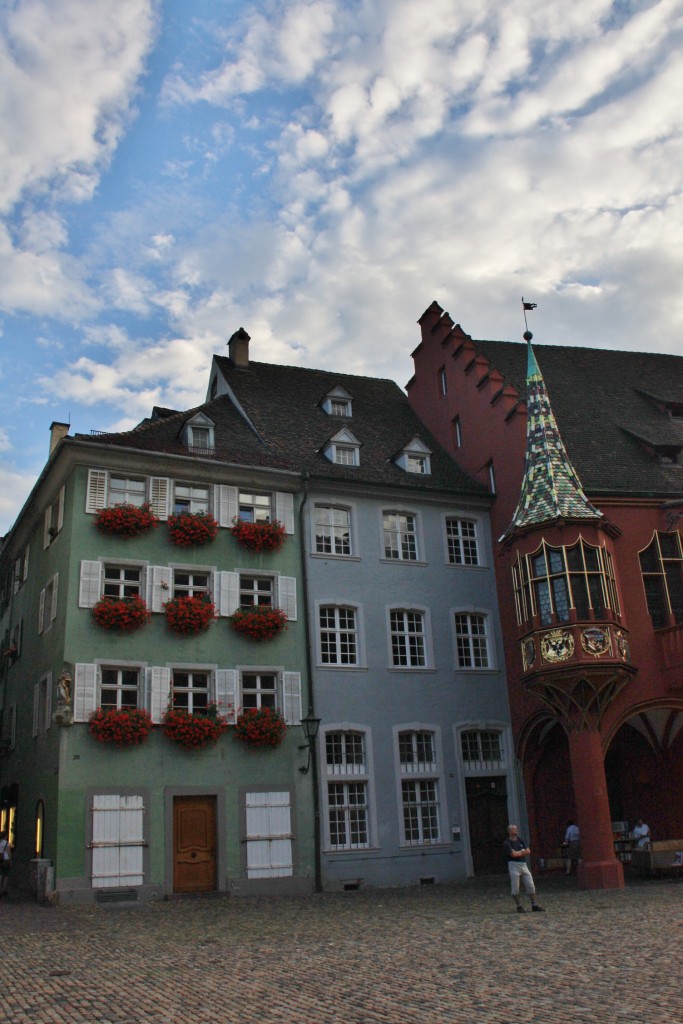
(318, 171)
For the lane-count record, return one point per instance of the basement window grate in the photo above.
(117, 896)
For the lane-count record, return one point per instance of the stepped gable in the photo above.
(284, 404)
(617, 412)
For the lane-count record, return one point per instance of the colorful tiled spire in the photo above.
(551, 489)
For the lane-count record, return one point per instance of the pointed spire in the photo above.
(551, 488)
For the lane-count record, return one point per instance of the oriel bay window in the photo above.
(661, 564)
(553, 582)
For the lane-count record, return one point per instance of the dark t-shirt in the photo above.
(514, 844)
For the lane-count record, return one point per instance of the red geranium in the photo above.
(194, 730)
(260, 727)
(261, 622)
(190, 529)
(259, 536)
(125, 727)
(188, 615)
(126, 614)
(125, 520)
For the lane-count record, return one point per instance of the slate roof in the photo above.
(551, 489)
(605, 402)
(283, 403)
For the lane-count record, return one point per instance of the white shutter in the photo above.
(90, 588)
(41, 610)
(160, 688)
(160, 580)
(291, 692)
(286, 586)
(36, 708)
(160, 496)
(28, 548)
(226, 504)
(47, 708)
(96, 497)
(60, 510)
(284, 510)
(269, 835)
(117, 840)
(227, 592)
(226, 693)
(46, 527)
(55, 585)
(85, 691)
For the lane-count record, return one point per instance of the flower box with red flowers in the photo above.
(124, 727)
(125, 615)
(125, 520)
(260, 727)
(192, 529)
(258, 536)
(189, 615)
(261, 622)
(194, 730)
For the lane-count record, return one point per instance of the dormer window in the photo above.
(337, 402)
(198, 435)
(343, 449)
(415, 458)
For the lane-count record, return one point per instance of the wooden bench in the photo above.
(665, 856)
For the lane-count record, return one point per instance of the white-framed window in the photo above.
(269, 835)
(127, 490)
(482, 750)
(21, 569)
(347, 789)
(190, 689)
(235, 590)
(472, 640)
(416, 751)
(118, 840)
(109, 685)
(47, 607)
(259, 689)
(415, 458)
(54, 519)
(255, 507)
(339, 644)
(338, 402)
(420, 798)
(491, 475)
(462, 545)
(191, 582)
(333, 530)
(256, 591)
(457, 432)
(343, 449)
(121, 581)
(42, 705)
(119, 687)
(191, 498)
(199, 436)
(408, 638)
(400, 536)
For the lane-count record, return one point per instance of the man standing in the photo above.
(517, 851)
(571, 838)
(641, 835)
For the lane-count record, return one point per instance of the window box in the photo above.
(260, 622)
(260, 727)
(259, 536)
(124, 727)
(125, 616)
(192, 529)
(125, 520)
(194, 730)
(189, 615)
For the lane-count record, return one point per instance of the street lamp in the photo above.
(310, 726)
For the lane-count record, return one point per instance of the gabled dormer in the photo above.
(343, 449)
(414, 458)
(198, 435)
(338, 402)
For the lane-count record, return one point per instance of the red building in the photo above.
(582, 450)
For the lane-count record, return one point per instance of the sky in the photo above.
(318, 172)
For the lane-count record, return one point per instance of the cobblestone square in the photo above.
(383, 957)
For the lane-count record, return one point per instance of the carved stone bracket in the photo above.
(579, 701)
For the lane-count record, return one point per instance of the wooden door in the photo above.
(487, 811)
(194, 844)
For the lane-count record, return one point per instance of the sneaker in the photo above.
(537, 909)
(521, 910)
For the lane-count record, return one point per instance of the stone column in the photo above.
(599, 868)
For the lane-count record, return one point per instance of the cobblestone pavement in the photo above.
(400, 956)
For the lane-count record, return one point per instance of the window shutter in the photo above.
(226, 693)
(226, 505)
(85, 691)
(160, 688)
(287, 596)
(161, 581)
(284, 510)
(28, 548)
(96, 497)
(36, 708)
(90, 588)
(227, 592)
(46, 527)
(291, 686)
(159, 496)
(60, 510)
(55, 585)
(15, 636)
(48, 701)
(41, 610)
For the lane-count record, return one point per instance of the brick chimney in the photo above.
(238, 348)
(57, 432)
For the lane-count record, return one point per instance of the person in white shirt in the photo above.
(571, 838)
(641, 834)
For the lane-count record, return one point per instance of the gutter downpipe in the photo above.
(315, 780)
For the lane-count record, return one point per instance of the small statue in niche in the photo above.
(63, 714)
